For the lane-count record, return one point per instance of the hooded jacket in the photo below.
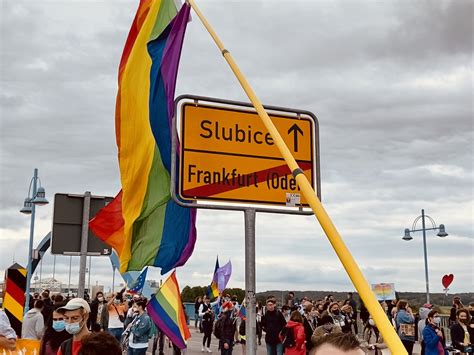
(423, 312)
(33, 325)
(300, 338)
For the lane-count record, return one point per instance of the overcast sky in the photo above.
(391, 85)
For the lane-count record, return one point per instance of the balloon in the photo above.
(447, 280)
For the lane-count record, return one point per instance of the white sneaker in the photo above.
(209, 350)
(202, 349)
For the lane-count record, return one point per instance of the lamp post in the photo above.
(442, 233)
(35, 197)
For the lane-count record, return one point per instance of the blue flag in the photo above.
(139, 283)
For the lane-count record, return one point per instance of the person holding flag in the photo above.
(207, 316)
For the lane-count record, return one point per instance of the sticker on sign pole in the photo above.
(293, 199)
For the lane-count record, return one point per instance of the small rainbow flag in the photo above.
(167, 311)
(212, 290)
(143, 224)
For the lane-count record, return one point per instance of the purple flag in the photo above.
(223, 276)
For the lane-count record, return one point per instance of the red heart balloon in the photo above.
(447, 280)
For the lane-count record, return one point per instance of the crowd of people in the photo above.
(108, 324)
(118, 322)
(309, 322)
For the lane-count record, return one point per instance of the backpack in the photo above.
(218, 327)
(287, 337)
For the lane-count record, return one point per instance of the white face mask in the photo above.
(100, 299)
(371, 322)
(437, 320)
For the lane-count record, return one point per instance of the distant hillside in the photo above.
(415, 299)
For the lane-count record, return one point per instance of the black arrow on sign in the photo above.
(295, 129)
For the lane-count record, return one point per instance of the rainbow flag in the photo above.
(212, 290)
(143, 224)
(167, 311)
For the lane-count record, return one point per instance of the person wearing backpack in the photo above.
(224, 329)
(293, 336)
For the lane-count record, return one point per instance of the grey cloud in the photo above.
(391, 84)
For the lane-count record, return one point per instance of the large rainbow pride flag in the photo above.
(166, 310)
(143, 224)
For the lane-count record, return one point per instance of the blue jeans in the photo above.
(132, 351)
(116, 332)
(275, 349)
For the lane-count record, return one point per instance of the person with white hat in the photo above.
(76, 313)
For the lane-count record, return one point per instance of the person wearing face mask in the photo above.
(76, 313)
(373, 338)
(327, 327)
(423, 313)
(117, 310)
(54, 334)
(337, 316)
(462, 335)
(433, 337)
(309, 324)
(99, 317)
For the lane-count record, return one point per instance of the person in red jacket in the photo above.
(296, 325)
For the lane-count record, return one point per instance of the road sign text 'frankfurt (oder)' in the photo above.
(228, 155)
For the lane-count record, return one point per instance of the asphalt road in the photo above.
(194, 346)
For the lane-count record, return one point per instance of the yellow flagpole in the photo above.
(385, 327)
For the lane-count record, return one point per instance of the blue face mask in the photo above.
(59, 325)
(73, 328)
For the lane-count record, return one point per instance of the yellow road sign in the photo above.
(228, 155)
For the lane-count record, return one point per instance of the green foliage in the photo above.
(235, 292)
(189, 294)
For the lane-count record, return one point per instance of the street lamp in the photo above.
(35, 197)
(442, 233)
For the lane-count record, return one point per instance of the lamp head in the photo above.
(442, 233)
(407, 235)
(40, 197)
(27, 206)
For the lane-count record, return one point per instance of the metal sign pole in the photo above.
(69, 282)
(84, 237)
(113, 280)
(89, 276)
(250, 283)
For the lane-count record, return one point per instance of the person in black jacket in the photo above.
(310, 323)
(99, 317)
(272, 323)
(462, 335)
(457, 305)
(207, 320)
(227, 329)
